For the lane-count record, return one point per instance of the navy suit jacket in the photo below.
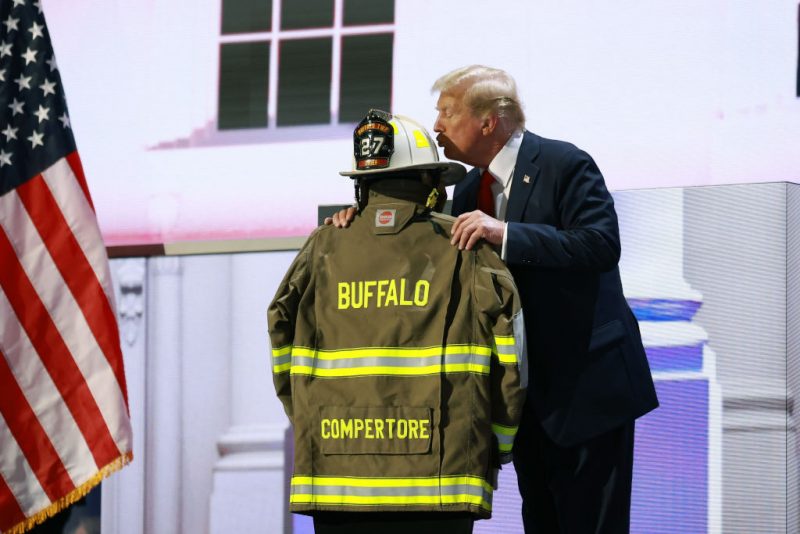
(588, 372)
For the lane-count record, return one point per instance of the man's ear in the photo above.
(489, 124)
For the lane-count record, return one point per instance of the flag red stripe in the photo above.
(77, 167)
(10, 512)
(76, 271)
(55, 355)
(31, 436)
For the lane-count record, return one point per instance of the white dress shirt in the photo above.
(502, 170)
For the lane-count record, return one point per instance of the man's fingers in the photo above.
(455, 231)
(476, 235)
(470, 229)
(458, 226)
(337, 220)
(343, 217)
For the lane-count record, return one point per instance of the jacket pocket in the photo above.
(606, 335)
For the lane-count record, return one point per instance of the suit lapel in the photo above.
(526, 173)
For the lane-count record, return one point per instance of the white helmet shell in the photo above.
(414, 149)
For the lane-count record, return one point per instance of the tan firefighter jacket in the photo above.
(400, 362)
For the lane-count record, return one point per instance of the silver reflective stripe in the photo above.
(361, 491)
(507, 349)
(354, 491)
(518, 324)
(505, 442)
(281, 360)
(369, 361)
(379, 361)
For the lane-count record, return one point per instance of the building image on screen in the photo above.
(212, 130)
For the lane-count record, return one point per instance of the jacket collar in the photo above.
(526, 173)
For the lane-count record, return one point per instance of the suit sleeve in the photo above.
(282, 318)
(585, 234)
(501, 313)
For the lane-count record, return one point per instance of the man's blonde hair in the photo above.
(486, 91)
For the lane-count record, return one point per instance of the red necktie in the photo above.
(485, 195)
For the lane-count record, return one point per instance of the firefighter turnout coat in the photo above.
(400, 362)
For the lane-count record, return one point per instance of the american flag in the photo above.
(64, 422)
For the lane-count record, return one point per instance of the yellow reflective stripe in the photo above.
(480, 350)
(282, 367)
(390, 352)
(399, 361)
(282, 351)
(506, 348)
(281, 359)
(365, 482)
(504, 340)
(505, 436)
(505, 430)
(398, 499)
(385, 370)
(362, 491)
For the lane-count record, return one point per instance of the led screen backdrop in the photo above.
(202, 119)
(711, 273)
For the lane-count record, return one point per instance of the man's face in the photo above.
(459, 131)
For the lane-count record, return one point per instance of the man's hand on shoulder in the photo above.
(342, 218)
(474, 225)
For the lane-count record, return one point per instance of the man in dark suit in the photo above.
(545, 206)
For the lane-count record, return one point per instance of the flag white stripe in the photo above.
(81, 220)
(53, 317)
(68, 318)
(18, 474)
(44, 398)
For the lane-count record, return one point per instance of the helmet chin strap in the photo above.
(360, 194)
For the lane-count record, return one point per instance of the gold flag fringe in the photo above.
(71, 497)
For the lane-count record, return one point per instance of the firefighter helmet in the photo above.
(383, 143)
